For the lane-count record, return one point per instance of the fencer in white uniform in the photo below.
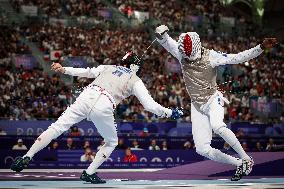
(207, 107)
(97, 103)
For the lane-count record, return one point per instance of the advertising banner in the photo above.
(29, 10)
(25, 61)
(71, 159)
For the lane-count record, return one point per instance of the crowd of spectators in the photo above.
(91, 147)
(58, 8)
(185, 14)
(10, 43)
(130, 155)
(178, 14)
(31, 94)
(261, 78)
(168, 89)
(34, 95)
(166, 11)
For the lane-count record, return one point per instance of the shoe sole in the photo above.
(85, 180)
(94, 182)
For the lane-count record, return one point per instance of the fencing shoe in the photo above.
(20, 163)
(247, 166)
(94, 179)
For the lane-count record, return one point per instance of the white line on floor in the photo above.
(80, 170)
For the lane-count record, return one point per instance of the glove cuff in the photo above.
(164, 38)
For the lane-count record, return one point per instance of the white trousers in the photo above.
(209, 118)
(94, 106)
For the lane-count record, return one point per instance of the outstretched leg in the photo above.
(73, 114)
(103, 119)
(216, 116)
(202, 135)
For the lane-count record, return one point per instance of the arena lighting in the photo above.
(257, 4)
(226, 2)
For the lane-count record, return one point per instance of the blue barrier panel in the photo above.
(71, 159)
(87, 128)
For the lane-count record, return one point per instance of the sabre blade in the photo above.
(146, 50)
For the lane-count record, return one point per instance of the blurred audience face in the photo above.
(226, 145)
(187, 145)
(128, 152)
(245, 146)
(87, 144)
(55, 145)
(69, 141)
(94, 154)
(120, 142)
(135, 143)
(153, 142)
(259, 146)
(20, 143)
(88, 151)
(74, 129)
(271, 141)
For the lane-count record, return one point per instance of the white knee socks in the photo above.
(42, 141)
(232, 140)
(101, 156)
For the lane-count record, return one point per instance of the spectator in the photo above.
(20, 145)
(69, 144)
(164, 145)
(154, 145)
(87, 144)
(2, 132)
(101, 144)
(129, 157)
(87, 156)
(187, 145)
(226, 147)
(144, 133)
(270, 145)
(240, 133)
(135, 145)
(245, 146)
(258, 147)
(121, 145)
(54, 146)
(75, 132)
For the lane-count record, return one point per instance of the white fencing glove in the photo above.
(161, 31)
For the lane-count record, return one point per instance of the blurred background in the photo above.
(87, 33)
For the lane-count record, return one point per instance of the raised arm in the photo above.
(219, 58)
(81, 72)
(167, 42)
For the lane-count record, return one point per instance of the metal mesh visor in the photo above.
(189, 44)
